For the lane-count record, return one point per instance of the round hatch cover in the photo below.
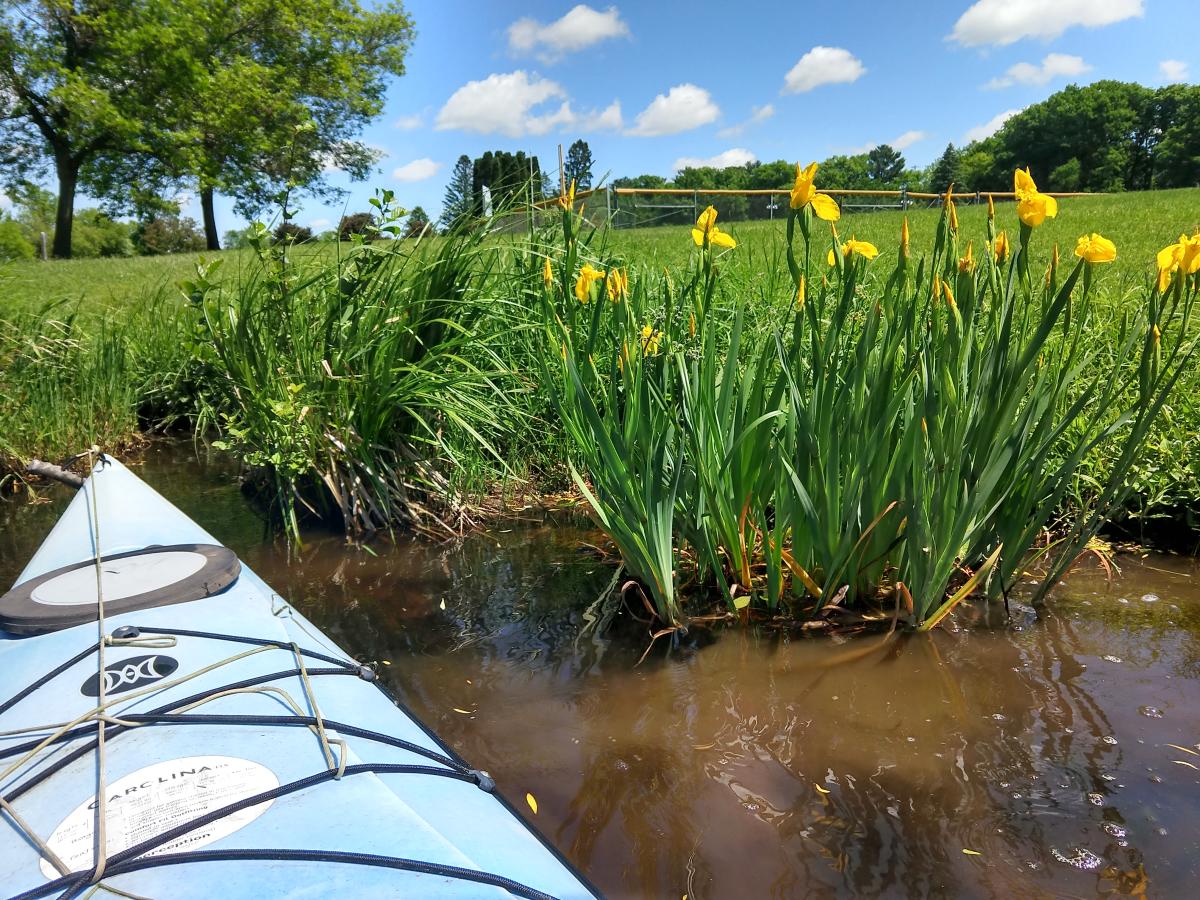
(140, 579)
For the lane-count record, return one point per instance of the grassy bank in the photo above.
(909, 429)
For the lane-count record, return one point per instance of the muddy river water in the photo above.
(1050, 754)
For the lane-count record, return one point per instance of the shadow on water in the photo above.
(994, 758)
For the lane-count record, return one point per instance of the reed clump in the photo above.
(899, 432)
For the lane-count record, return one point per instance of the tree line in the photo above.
(133, 102)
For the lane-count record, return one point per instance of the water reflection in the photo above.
(993, 758)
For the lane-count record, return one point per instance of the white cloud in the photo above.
(1173, 71)
(1001, 22)
(738, 156)
(579, 28)
(1055, 65)
(906, 140)
(823, 65)
(5, 201)
(757, 114)
(410, 123)
(417, 170)
(607, 119)
(990, 127)
(318, 224)
(501, 103)
(513, 104)
(682, 108)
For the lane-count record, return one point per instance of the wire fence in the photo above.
(623, 207)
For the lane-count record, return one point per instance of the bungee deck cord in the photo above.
(99, 726)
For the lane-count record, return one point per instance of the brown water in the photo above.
(996, 758)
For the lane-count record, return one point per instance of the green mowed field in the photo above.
(1140, 224)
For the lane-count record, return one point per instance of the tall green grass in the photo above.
(902, 435)
(341, 380)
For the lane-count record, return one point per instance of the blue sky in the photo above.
(650, 84)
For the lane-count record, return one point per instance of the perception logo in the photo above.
(128, 674)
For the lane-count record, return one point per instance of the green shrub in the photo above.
(13, 243)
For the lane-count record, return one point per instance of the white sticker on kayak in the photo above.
(159, 797)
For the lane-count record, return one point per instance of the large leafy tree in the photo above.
(237, 96)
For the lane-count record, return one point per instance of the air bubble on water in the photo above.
(1111, 658)
(1122, 600)
(1151, 712)
(1096, 799)
(1161, 831)
(1068, 730)
(911, 739)
(1016, 795)
(1149, 598)
(1109, 739)
(1114, 829)
(1000, 717)
(1122, 843)
(1079, 857)
(1156, 779)
(1004, 784)
(1109, 777)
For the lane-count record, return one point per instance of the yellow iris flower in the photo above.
(617, 284)
(1095, 248)
(1033, 207)
(1002, 247)
(567, 200)
(1182, 256)
(804, 193)
(967, 263)
(650, 340)
(706, 232)
(852, 246)
(583, 284)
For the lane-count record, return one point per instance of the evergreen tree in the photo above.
(884, 164)
(578, 166)
(945, 171)
(458, 203)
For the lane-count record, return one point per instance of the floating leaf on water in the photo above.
(1109, 739)
(465, 712)
(971, 852)
(532, 801)
(741, 602)
(1150, 712)
(442, 605)
(820, 789)
(1111, 658)
(1184, 749)
(386, 662)
(1180, 762)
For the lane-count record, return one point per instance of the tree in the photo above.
(355, 223)
(83, 80)
(885, 165)
(129, 99)
(168, 234)
(508, 177)
(945, 171)
(457, 203)
(846, 172)
(578, 167)
(292, 233)
(417, 223)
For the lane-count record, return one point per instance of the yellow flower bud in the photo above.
(800, 294)
(904, 237)
(547, 273)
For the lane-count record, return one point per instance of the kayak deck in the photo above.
(243, 751)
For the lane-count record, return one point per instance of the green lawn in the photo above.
(1140, 224)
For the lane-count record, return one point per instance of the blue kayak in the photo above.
(166, 703)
